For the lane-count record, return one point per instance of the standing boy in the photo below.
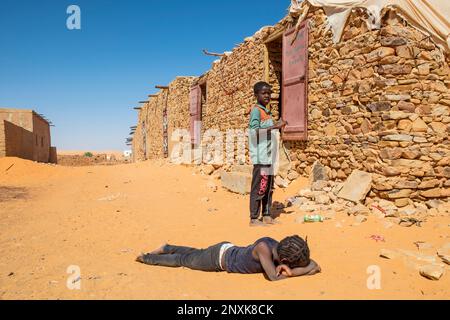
(262, 153)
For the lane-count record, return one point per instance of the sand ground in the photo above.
(100, 218)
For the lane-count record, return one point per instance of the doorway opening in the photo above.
(273, 74)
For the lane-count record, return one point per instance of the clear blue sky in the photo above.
(88, 81)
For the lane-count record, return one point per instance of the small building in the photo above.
(25, 134)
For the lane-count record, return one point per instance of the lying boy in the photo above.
(278, 260)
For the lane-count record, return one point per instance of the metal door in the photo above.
(295, 83)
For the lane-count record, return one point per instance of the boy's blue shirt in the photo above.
(260, 153)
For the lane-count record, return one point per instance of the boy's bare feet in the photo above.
(160, 250)
(140, 258)
(257, 223)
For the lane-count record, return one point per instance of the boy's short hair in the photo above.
(259, 86)
(294, 252)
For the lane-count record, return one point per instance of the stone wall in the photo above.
(148, 137)
(379, 101)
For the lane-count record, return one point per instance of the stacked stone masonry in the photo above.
(379, 101)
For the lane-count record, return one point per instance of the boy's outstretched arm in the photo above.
(265, 257)
(309, 270)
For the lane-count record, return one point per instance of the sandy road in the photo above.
(101, 218)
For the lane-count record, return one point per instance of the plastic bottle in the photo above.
(313, 218)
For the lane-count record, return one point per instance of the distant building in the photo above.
(25, 134)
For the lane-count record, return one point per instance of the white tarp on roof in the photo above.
(431, 16)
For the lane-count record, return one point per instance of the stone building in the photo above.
(25, 134)
(363, 86)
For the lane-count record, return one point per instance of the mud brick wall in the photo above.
(379, 102)
(41, 132)
(18, 141)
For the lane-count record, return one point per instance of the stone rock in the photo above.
(397, 97)
(208, 169)
(393, 41)
(398, 115)
(391, 171)
(330, 130)
(379, 106)
(433, 193)
(318, 172)
(360, 219)
(397, 194)
(319, 185)
(394, 69)
(406, 106)
(380, 53)
(444, 257)
(411, 154)
(389, 254)
(237, 182)
(405, 125)
(398, 137)
(423, 245)
(423, 69)
(439, 127)
(322, 198)
(404, 52)
(402, 202)
(432, 272)
(405, 184)
(391, 153)
(440, 111)
(359, 210)
(280, 182)
(429, 185)
(306, 193)
(357, 186)
(292, 175)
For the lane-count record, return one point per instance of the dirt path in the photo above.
(101, 218)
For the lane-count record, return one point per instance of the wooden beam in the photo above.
(152, 95)
(143, 102)
(266, 64)
(213, 54)
(137, 108)
(162, 87)
(275, 36)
